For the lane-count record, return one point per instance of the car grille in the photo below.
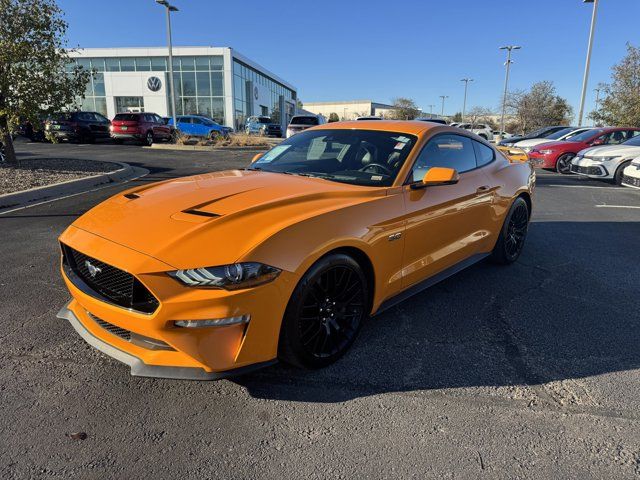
(114, 285)
(633, 181)
(113, 329)
(586, 170)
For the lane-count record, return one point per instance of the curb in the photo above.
(50, 192)
(199, 148)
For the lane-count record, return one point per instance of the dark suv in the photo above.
(142, 127)
(261, 125)
(78, 126)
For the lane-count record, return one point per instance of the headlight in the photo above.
(546, 152)
(229, 277)
(527, 149)
(605, 159)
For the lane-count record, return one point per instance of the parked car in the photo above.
(78, 126)
(539, 133)
(299, 123)
(607, 162)
(441, 121)
(564, 134)
(479, 129)
(631, 174)
(503, 135)
(200, 126)
(208, 276)
(261, 125)
(371, 117)
(558, 155)
(142, 127)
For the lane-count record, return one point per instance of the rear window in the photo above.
(264, 120)
(126, 117)
(304, 121)
(64, 116)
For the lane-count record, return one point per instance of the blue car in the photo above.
(199, 126)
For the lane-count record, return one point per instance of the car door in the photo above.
(161, 129)
(185, 126)
(447, 224)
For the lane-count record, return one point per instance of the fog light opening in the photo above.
(213, 322)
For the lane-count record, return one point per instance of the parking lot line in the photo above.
(584, 186)
(617, 206)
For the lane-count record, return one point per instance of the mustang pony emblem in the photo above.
(93, 270)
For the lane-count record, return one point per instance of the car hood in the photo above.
(220, 215)
(612, 151)
(560, 145)
(532, 142)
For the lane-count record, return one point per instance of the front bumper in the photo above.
(542, 161)
(195, 353)
(589, 168)
(126, 136)
(631, 179)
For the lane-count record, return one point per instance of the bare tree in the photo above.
(539, 107)
(403, 109)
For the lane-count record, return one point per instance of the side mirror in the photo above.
(597, 141)
(256, 157)
(437, 176)
(165, 121)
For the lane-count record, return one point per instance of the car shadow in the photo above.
(567, 309)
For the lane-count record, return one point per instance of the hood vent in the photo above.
(202, 213)
(131, 196)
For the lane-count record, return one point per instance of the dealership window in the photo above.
(158, 64)
(112, 64)
(127, 65)
(143, 64)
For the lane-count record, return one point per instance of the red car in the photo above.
(558, 155)
(142, 127)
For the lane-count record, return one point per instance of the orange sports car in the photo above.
(208, 276)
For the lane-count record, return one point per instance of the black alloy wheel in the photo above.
(325, 313)
(617, 177)
(149, 139)
(513, 234)
(563, 165)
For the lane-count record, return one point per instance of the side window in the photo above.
(195, 120)
(484, 154)
(184, 120)
(617, 137)
(448, 150)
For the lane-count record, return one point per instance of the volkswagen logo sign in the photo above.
(154, 84)
(255, 93)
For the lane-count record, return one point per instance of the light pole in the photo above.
(597, 90)
(344, 114)
(585, 79)
(170, 8)
(508, 48)
(443, 97)
(464, 103)
(431, 110)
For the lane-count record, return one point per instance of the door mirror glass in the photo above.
(437, 176)
(256, 157)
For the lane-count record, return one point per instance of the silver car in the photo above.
(301, 122)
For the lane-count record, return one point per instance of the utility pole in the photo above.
(464, 103)
(431, 110)
(170, 8)
(585, 78)
(508, 63)
(443, 97)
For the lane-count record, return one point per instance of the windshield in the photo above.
(304, 121)
(559, 133)
(581, 137)
(633, 142)
(357, 157)
(129, 117)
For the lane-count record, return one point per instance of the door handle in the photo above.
(483, 188)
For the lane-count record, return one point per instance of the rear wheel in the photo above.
(148, 139)
(325, 312)
(513, 234)
(563, 165)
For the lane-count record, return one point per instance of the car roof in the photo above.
(413, 127)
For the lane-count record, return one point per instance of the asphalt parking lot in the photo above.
(527, 371)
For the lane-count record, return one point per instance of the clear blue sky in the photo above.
(357, 49)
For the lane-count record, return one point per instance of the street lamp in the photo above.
(443, 98)
(597, 90)
(430, 110)
(508, 63)
(585, 79)
(464, 104)
(170, 8)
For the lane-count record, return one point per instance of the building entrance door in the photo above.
(129, 104)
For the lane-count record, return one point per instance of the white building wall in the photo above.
(134, 84)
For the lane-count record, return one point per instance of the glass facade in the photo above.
(242, 74)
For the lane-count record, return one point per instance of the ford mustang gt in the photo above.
(213, 275)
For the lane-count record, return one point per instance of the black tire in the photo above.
(148, 138)
(513, 233)
(563, 164)
(325, 313)
(117, 141)
(617, 178)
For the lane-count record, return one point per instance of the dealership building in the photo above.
(216, 82)
(349, 109)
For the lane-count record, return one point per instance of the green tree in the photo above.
(34, 73)
(456, 117)
(403, 109)
(333, 117)
(621, 102)
(539, 107)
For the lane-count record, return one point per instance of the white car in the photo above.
(564, 134)
(504, 135)
(631, 174)
(606, 162)
(479, 129)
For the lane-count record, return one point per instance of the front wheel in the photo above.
(513, 233)
(617, 178)
(563, 165)
(148, 139)
(325, 313)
